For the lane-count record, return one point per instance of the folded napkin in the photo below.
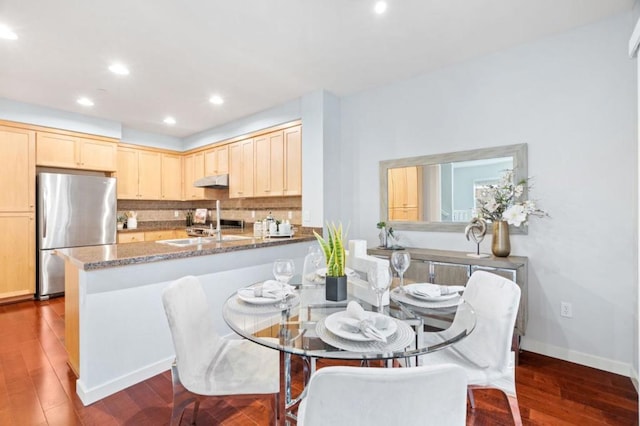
(270, 289)
(434, 290)
(356, 321)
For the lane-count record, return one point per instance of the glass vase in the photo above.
(500, 245)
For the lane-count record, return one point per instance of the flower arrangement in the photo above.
(502, 202)
(333, 249)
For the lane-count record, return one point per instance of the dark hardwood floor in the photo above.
(38, 388)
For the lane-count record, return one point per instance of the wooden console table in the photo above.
(455, 268)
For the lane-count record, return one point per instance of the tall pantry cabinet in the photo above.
(17, 213)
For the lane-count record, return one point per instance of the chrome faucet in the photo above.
(218, 229)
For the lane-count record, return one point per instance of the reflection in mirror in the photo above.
(440, 192)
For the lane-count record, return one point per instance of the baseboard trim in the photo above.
(634, 379)
(581, 358)
(89, 396)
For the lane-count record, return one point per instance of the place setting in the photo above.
(427, 295)
(357, 330)
(270, 295)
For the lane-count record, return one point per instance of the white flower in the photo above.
(518, 190)
(515, 215)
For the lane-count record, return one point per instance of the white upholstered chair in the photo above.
(353, 396)
(207, 364)
(486, 354)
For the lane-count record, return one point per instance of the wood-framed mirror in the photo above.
(439, 192)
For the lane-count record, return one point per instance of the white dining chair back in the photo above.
(353, 396)
(207, 364)
(486, 353)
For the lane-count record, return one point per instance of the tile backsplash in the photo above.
(238, 209)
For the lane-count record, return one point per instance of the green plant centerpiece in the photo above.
(335, 258)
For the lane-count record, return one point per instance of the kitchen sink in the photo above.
(185, 242)
(234, 237)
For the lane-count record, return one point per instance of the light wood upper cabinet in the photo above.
(171, 177)
(17, 174)
(193, 170)
(405, 191)
(150, 175)
(127, 174)
(74, 152)
(266, 166)
(293, 161)
(216, 161)
(269, 164)
(139, 174)
(17, 255)
(97, 155)
(241, 169)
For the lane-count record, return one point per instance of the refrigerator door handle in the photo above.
(44, 216)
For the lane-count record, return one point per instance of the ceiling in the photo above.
(254, 53)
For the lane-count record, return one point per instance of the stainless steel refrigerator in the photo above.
(73, 211)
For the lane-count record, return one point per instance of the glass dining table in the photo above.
(308, 329)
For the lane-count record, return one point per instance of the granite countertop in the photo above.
(113, 255)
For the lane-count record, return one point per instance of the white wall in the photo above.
(270, 117)
(572, 99)
(155, 140)
(42, 116)
(634, 41)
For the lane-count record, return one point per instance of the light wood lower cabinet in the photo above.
(130, 237)
(17, 255)
(164, 234)
(167, 234)
(17, 213)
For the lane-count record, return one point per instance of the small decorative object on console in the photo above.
(476, 230)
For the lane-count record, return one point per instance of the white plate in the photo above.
(322, 272)
(410, 287)
(333, 324)
(247, 296)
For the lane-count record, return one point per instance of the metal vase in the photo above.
(383, 237)
(336, 288)
(500, 246)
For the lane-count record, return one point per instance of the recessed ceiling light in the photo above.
(380, 7)
(216, 100)
(85, 101)
(119, 69)
(7, 33)
(170, 121)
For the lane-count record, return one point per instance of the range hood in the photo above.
(215, 181)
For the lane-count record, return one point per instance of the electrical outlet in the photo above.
(253, 214)
(566, 310)
(176, 213)
(290, 215)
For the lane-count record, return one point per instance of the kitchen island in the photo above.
(116, 332)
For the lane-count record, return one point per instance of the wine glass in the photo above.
(283, 270)
(400, 261)
(312, 262)
(379, 278)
